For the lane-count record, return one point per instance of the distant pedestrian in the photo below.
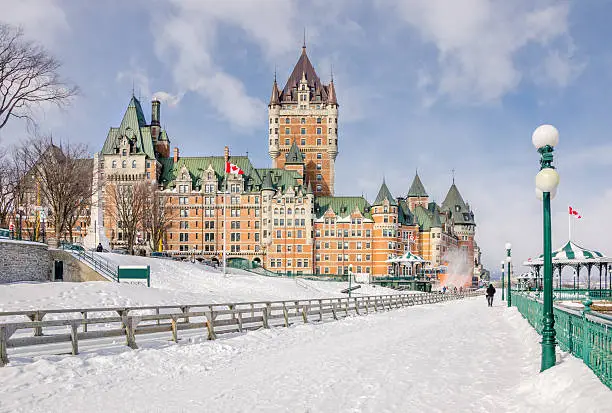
(99, 248)
(490, 294)
(444, 290)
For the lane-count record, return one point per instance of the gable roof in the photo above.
(134, 127)
(342, 205)
(384, 193)
(294, 155)
(417, 188)
(304, 68)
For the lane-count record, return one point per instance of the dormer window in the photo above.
(133, 164)
(124, 152)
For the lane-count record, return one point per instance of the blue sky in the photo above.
(431, 85)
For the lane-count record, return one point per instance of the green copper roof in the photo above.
(294, 155)
(423, 218)
(405, 217)
(417, 188)
(383, 194)
(196, 165)
(342, 205)
(454, 204)
(435, 220)
(134, 127)
(266, 181)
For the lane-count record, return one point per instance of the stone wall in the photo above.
(24, 261)
(74, 270)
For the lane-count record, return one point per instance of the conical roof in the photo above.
(274, 98)
(383, 194)
(309, 189)
(303, 67)
(331, 94)
(134, 116)
(294, 155)
(454, 204)
(417, 189)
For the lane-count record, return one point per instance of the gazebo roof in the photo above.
(571, 253)
(408, 257)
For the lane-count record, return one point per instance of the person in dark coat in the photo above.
(99, 248)
(490, 294)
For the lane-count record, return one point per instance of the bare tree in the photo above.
(125, 204)
(7, 187)
(157, 216)
(61, 177)
(28, 77)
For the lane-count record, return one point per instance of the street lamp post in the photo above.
(350, 275)
(508, 259)
(502, 278)
(545, 138)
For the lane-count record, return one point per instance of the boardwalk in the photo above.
(456, 356)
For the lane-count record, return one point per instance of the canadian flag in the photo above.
(230, 168)
(572, 211)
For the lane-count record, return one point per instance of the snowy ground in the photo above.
(172, 282)
(457, 356)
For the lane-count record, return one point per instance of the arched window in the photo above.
(289, 211)
(303, 211)
(275, 211)
(134, 164)
(124, 164)
(114, 164)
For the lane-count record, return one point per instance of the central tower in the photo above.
(305, 112)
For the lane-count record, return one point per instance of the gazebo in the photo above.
(408, 259)
(576, 257)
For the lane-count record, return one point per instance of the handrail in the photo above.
(100, 265)
(586, 334)
(215, 318)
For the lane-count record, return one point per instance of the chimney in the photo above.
(226, 153)
(176, 154)
(155, 119)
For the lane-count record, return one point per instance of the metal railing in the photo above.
(216, 319)
(587, 334)
(99, 264)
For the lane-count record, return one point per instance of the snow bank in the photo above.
(172, 282)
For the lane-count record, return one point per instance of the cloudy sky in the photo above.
(433, 85)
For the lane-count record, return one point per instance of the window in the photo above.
(124, 164)
(287, 120)
(184, 213)
(303, 121)
(124, 152)
(114, 165)
(318, 167)
(319, 177)
(319, 187)
(303, 131)
(318, 131)
(318, 141)
(287, 142)
(318, 120)
(276, 120)
(286, 131)
(319, 156)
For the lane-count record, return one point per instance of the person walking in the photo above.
(490, 294)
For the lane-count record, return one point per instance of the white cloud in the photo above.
(42, 20)
(478, 40)
(186, 38)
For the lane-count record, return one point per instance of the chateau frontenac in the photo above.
(286, 218)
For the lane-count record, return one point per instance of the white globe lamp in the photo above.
(545, 135)
(547, 180)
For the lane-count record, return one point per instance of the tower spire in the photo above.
(304, 43)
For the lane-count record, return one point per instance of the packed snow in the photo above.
(458, 356)
(172, 282)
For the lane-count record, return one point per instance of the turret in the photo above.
(274, 108)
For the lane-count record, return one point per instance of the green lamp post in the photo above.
(502, 278)
(545, 138)
(508, 259)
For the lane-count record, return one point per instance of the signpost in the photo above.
(134, 272)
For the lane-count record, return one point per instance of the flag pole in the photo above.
(224, 213)
(569, 226)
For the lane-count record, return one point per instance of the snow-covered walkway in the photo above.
(451, 357)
